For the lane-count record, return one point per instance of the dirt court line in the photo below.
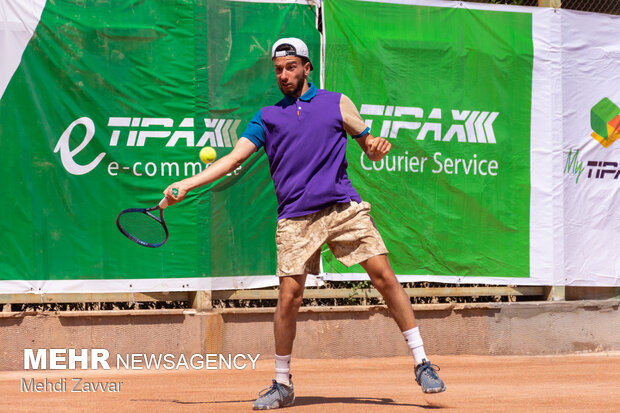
(573, 383)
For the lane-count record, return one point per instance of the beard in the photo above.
(294, 86)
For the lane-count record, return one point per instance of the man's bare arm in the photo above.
(243, 149)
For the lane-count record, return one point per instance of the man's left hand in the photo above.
(377, 148)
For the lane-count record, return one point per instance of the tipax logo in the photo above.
(468, 126)
(605, 123)
(220, 133)
(135, 132)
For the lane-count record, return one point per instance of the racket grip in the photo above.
(163, 204)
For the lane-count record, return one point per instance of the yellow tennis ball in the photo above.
(207, 154)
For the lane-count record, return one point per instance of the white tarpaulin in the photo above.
(590, 102)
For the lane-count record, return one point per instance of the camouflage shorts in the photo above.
(348, 230)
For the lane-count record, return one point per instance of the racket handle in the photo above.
(163, 204)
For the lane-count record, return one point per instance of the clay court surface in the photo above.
(577, 383)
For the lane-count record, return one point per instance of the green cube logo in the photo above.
(605, 122)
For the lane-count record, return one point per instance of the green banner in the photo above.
(451, 89)
(110, 104)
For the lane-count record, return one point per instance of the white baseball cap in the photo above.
(299, 48)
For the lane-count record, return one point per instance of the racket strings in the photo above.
(142, 227)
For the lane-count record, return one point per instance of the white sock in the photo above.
(414, 341)
(283, 368)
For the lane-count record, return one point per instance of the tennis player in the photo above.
(305, 138)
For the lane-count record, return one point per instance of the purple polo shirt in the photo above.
(305, 140)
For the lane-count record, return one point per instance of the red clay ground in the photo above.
(577, 383)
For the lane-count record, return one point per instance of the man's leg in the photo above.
(383, 278)
(285, 321)
(281, 392)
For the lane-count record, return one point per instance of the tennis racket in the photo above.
(143, 226)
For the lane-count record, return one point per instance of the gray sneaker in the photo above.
(426, 376)
(276, 396)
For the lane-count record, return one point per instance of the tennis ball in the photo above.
(207, 154)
